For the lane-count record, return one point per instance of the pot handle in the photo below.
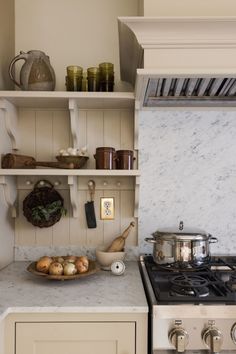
(213, 239)
(150, 240)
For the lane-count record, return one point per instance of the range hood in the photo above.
(179, 61)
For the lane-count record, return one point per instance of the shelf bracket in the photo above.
(11, 119)
(74, 121)
(4, 183)
(73, 185)
(136, 196)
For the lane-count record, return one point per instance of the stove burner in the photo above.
(189, 285)
(179, 266)
(213, 283)
(232, 282)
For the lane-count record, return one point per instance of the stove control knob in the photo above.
(179, 338)
(233, 333)
(213, 339)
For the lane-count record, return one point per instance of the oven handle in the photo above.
(150, 240)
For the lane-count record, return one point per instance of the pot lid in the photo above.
(182, 233)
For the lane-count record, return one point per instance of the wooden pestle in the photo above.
(119, 242)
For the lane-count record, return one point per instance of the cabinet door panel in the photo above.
(75, 338)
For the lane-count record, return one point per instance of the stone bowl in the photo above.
(105, 259)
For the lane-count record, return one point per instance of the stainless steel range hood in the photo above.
(179, 61)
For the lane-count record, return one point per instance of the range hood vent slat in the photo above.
(232, 90)
(187, 89)
(166, 87)
(203, 87)
(227, 85)
(179, 87)
(216, 84)
(192, 86)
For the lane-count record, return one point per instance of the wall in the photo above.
(188, 172)
(72, 32)
(6, 41)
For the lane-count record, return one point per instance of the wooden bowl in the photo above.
(93, 268)
(78, 161)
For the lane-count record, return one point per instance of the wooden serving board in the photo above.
(93, 268)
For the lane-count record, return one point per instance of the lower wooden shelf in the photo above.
(67, 172)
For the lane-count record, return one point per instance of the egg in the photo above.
(62, 151)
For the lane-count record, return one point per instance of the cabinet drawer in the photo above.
(75, 337)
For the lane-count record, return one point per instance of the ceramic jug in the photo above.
(36, 73)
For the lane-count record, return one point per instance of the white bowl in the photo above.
(105, 259)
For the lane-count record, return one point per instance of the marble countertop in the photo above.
(102, 292)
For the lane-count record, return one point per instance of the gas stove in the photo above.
(192, 309)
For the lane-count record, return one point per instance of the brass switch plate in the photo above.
(107, 208)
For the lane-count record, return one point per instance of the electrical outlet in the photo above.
(107, 208)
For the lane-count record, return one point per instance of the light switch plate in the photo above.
(107, 208)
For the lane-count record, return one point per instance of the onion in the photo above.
(71, 259)
(82, 264)
(56, 268)
(69, 269)
(43, 264)
(58, 259)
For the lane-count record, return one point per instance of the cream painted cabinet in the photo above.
(79, 338)
(76, 333)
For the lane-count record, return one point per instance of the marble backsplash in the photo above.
(188, 172)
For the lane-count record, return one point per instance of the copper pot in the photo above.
(105, 158)
(124, 159)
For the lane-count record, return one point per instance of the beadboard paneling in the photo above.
(71, 231)
(45, 132)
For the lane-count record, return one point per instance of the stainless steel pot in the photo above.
(182, 246)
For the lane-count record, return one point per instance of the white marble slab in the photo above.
(102, 292)
(188, 172)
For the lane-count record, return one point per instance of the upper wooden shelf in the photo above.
(60, 99)
(67, 172)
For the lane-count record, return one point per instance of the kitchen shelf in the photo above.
(11, 103)
(60, 99)
(68, 172)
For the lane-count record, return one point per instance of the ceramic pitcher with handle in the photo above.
(36, 73)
